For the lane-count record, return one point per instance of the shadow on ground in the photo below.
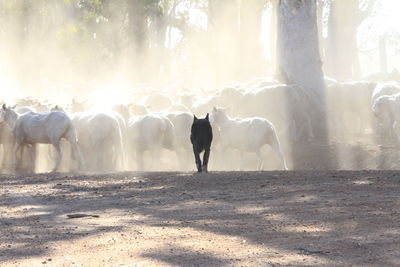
(314, 218)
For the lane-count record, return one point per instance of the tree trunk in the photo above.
(223, 31)
(138, 25)
(250, 39)
(320, 11)
(273, 30)
(138, 40)
(299, 62)
(298, 50)
(383, 53)
(342, 60)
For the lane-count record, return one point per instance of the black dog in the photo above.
(201, 137)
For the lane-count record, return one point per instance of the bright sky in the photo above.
(390, 14)
(386, 20)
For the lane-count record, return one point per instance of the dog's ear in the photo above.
(194, 118)
(207, 117)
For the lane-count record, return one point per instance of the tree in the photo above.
(342, 55)
(299, 60)
(341, 52)
(223, 29)
(250, 38)
(273, 31)
(298, 49)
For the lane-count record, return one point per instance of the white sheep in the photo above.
(288, 107)
(150, 132)
(100, 138)
(382, 89)
(45, 128)
(182, 122)
(387, 110)
(246, 135)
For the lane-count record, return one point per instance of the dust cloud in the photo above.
(134, 57)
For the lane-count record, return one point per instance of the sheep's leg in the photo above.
(110, 159)
(181, 154)
(77, 155)
(121, 155)
(117, 159)
(106, 159)
(396, 129)
(393, 131)
(7, 156)
(241, 168)
(276, 147)
(187, 155)
(197, 158)
(381, 131)
(49, 156)
(387, 131)
(310, 133)
(98, 157)
(260, 160)
(205, 159)
(222, 151)
(32, 155)
(294, 135)
(17, 149)
(216, 157)
(3, 158)
(131, 157)
(181, 158)
(76, 151)
(58, 157)
(21, 157)
(139, 159)
(155, 159)
(3, 165)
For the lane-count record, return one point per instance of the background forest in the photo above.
(191, 42)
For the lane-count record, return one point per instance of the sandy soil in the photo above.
(302, 218)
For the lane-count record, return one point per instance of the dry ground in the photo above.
(302, 218)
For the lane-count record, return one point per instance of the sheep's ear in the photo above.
(4, 107)
(207, 116)
(56, 107)
(214, 109)
(194, 118)
(13, 107)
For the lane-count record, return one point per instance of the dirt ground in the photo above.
(295, 218)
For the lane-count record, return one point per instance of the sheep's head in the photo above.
(137, 109)
(218, 115)
(8, 115)
(380, 106)
(78, 106)
(3, 111)
(376, 109)
(57, 108)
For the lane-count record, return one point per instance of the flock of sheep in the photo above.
(137, 134)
